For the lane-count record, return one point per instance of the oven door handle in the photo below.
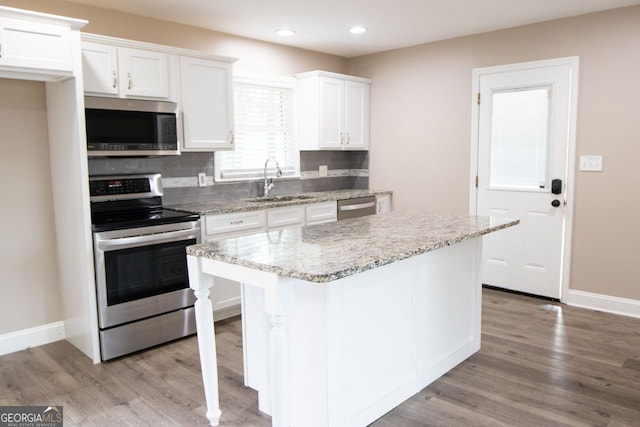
(121, 242)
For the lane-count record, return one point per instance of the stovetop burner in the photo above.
(130, 201)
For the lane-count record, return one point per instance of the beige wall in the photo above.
(421, 130)
(29, 287)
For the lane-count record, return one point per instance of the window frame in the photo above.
(276, 81)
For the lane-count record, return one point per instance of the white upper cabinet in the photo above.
(27, 46)
(356, 115)
(124, 72)
(207, 104)
(331, 118)
(333, 111)
(100, 69)
(145, 73)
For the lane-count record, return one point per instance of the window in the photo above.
(520, 138)
(264, 124)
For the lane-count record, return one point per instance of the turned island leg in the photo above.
(201, 283)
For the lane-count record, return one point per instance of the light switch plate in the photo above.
(323, 170)
(591, 163)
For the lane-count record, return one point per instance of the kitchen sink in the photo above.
(280, 198)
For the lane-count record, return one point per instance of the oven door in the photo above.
(142, 272)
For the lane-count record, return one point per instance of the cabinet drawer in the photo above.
(318, 213)
(290, 216)
(235, 224)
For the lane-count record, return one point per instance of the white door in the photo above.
(524, 132)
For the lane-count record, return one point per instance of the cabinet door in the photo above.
(233, 225)
(383, 203)
(356, 113)
(207, 104)
(100, 68)
(318, 213)
(225, 294)
(290, 216)
(331, 112)
(144, 73)
(35, 46)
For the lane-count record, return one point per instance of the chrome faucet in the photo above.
(268, 184)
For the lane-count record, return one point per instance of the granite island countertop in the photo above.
(254, 204)
(326, 252)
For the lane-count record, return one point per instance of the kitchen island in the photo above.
(344, 321)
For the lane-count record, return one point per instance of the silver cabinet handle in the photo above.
(115, 79)
(231, 137)
(0, 50)
(341, 138)
(348, 139)
(239, 221)
(130, 81)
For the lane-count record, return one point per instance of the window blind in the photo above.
(264, 127)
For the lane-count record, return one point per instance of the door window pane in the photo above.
(520, 138)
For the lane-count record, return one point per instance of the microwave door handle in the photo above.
(150, 238)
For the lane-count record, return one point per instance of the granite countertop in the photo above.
(254, 204)
(326, 252)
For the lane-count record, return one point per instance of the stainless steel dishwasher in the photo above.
(360, 206)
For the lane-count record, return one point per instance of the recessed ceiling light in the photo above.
(285, 32)
(357, 30)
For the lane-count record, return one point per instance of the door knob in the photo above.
(555, 203)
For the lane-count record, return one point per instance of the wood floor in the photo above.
(541, 364)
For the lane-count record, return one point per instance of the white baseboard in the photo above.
(606, 303)
(32, 337)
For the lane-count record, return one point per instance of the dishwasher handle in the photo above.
(357, 206)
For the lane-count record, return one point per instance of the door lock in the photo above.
(555, 203)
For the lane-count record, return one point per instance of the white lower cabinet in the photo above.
(225, 295)
(233, 225)
(318, 213)
(289, 216)
(383, 203)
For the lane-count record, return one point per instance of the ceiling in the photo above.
(322, 25)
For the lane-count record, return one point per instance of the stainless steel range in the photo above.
(142, 285)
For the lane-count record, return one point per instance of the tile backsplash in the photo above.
(346, 170)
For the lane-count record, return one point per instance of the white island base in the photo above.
(345, 352)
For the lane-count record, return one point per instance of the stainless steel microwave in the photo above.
(130, 127)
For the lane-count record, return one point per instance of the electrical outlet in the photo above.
(202, 179)
(323, 170)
